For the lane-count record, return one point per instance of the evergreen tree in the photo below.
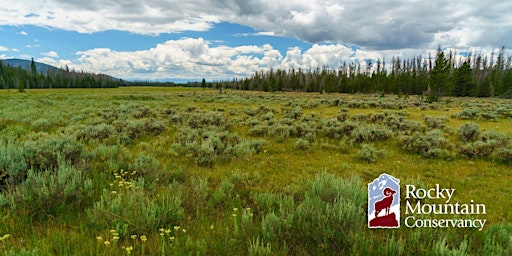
(439, 77)
(203, 84)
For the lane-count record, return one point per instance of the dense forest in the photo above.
(445, 75)
(475, 75)
(29, 77)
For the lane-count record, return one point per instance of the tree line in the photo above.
(30, 78)
(475, 75)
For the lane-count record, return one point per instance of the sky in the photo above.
(180, 40)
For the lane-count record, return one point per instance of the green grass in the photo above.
(231, 197)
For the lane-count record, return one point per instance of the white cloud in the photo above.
(187, 58)
(372, 25)
(23, 33)
(51, 54)
(3, 48)
(192, 58)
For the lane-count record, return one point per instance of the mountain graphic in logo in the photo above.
(384, 202)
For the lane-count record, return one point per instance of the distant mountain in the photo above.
(44, 68)
(25, 64)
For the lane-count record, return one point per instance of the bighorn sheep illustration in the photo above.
(384, 203)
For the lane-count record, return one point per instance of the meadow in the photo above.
(189, 171)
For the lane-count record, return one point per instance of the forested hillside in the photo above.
(21, 78)
(445, 75)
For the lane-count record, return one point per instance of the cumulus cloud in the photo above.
(186, 58)
(372, 25)
(3, 48)
(51, 54)
(192, 58)
(23, 33)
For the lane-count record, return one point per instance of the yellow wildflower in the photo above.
(115, 238)
(113, 231)
(235, 209)
(176, 228)
(133, 236)
(171, 238)
(99, 238)
(234, 214)
(143, 238)
(167, 231)
(107, 243)
(184, 230)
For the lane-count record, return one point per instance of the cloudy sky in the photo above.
(221, 39)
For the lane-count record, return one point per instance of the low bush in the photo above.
(369, 154)
(326, 219)
(43, 151)
(435, 122)
(477, 149)
(429, 144)
(302, 144)
(127, 204)
(207, 147)
(42, 191)
(469, 132)
(370, 133)
(13, 165)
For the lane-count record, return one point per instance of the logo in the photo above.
(384, 202)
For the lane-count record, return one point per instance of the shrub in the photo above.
(467, 114)
(99, 131)
(13, 165)
(302, 144)
(435, 122)
(42, 191)
(364, 134)
(294, 113)
(469, 132)
(496, 138)
(258, 130)
(207, 147)
(145, 165)
(505, 154)
(477, 149)
(429, 144)
(282, 132)
(332, 128)
(130, 205)
(369, 154)
(43, 153)
(41, 124)
(325, 219)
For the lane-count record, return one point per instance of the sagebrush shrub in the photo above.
(44, 152)
(13, 165)
(370, 133)
(128, 204)
(469, 132)
(42, 191)
(477, 149)
(328, 216)
(435, 122)
(369, 154)
(505, 154)
(282, 132)
(302, 144)
(258, 130)
(429, 144)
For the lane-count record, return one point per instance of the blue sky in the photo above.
(218, 40)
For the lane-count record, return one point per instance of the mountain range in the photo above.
(25, 64)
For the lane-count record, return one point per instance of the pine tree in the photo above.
(439, 77)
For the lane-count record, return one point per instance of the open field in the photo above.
(177, 171)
